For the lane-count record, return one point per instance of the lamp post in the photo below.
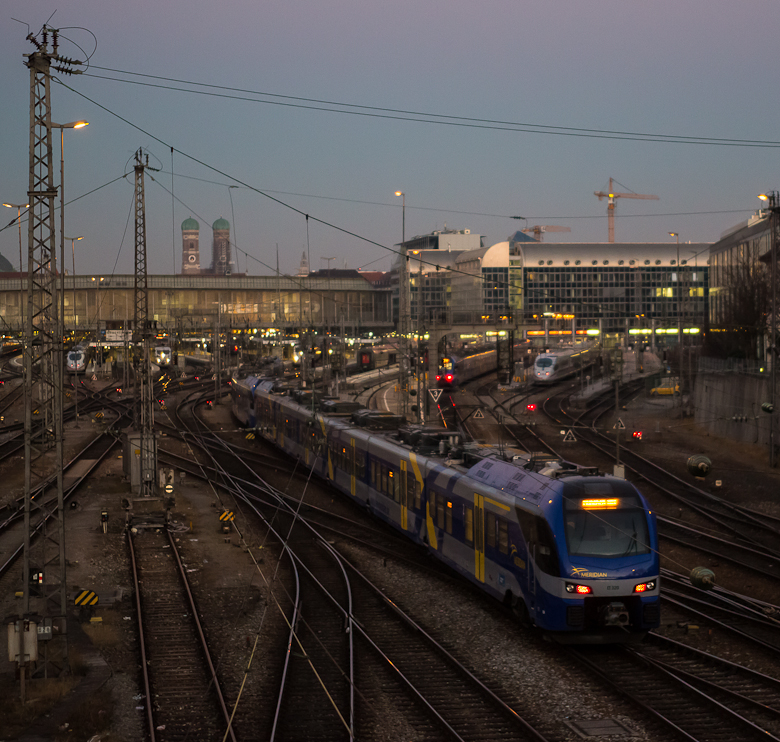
(324, 314)
(62, 127)
(73, 241)
(19, 208)
(774, 207)
(97, 281)
(680, 344)
(404, 308)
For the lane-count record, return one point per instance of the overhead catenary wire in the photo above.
(265, 194)
(430, 117)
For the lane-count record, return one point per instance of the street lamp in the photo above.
(404, 308)
(774, 207)
(680, 346)
(62, 127)
(98, 281)
(73, 241)
(19, 208)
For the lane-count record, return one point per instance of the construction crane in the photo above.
(539, 230)
(612, 198)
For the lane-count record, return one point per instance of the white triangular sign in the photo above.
(619, 425)
(478, 415)
(435, 393)
(569, 437)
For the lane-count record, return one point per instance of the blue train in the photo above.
(572, 551)
(454, 371)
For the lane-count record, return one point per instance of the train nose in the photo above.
(614, 614)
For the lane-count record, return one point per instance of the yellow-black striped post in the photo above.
(86, 597)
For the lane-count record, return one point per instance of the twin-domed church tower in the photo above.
(221, 258)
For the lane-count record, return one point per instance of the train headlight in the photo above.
(644, 587)
(578, 589)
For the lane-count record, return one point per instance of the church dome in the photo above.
(189, 225)
(221, 224)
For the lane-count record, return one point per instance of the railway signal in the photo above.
(531, 407)
(637, 435)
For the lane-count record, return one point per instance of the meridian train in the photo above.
(572, 551)
(561, 364)
(454, 371)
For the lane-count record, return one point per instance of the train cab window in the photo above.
(490, 530)
(448, 517)
(503, 537)
(607, 533)
(446, 364)
(468, 523)
(540, 542)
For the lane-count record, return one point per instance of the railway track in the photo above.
(696, 695)
(184, 700)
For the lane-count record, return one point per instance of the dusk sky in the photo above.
(685, 68)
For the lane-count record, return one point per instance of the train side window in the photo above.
(468, 522)
(432, 504)
(503, 536)
(490, 530)
(440, 512)
(448, 518)
(415, 491)
(394, 491)
(373, 473)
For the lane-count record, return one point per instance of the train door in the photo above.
(479, 537)
(352, 466)
(404, 482)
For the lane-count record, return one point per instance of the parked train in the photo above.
(369, 358)
(574, 552)
(77, 359)
(558, 365)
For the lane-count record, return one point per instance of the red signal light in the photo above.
(531, 407)
(448, 377)
(637, 435)
(438, 377)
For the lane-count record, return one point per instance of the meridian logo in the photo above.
(583, 572)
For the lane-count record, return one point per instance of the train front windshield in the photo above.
(544, 362)
(446, 364)
(601, 528)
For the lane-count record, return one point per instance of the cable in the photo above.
(505, 284)
(436, 118)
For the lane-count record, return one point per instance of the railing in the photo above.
(733, 366)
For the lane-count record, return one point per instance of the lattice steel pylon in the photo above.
(44, 541)
(144, 411)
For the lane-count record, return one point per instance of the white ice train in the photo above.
(162, 356)
(76, 361)
(560, 364)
